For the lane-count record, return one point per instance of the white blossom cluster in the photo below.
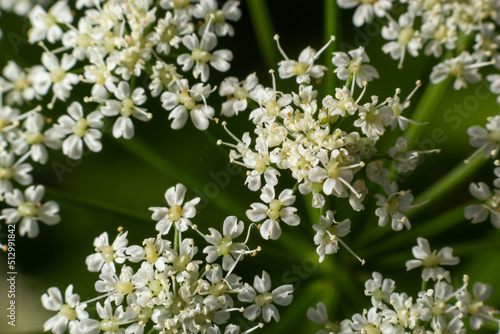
(485, 139)
(161, 286)
(328, 144)
(469, 28)
(441, 308)
(95, 57)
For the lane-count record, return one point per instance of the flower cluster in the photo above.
(469, 28)
(326, 143)
(96, 60)
(441, 308)
(162, 286)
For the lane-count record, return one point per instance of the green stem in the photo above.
(331, 20)
(98, 207)
(262, 25)
(449, 182)
(176, 240)
(143, 151)
(430, 228)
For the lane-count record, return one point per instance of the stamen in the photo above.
(277, 39)
(351, 251)
(316, 56)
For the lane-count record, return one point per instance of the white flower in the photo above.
(206, 9)
(394, 206)
(264, 301)
(29, 210)
(79, 129)
(431, 261)
(276, 209)
(237, 93)
(68, 312)
(464, 68)
(201, 54)
(224, 245)
(491, 204)
(364, 12)
(106, 252)
(58, 76)
(177, 212)
(304, 67)
(184, 102)
(478, 312)
(320, 316)
(487, 139)
(46, 24)
(403, 36)
(328, 233)
(20, 86)
(12, 170)
(354, 64)
(126, 106)
(379, 289)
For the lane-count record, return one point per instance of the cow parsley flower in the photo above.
(491, 204)
(431, 261)
(275, 210)
(27, 210)
(70, 311)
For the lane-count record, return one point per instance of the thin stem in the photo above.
(331, 21)
(450, 181)
(263, 27)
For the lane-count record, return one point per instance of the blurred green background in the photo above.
(117, 186)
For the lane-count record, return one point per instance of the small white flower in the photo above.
(79, 129)
(403, 36)
(431, 261)
(265, 299)
(69, 312)
(275, 210)
(366, 9)
(201, 55)
(46, 24)
(354, 64)
(126, 106)
(328, 233)
(491, 204)
(177, 212)
(28, 209)
(379, 289)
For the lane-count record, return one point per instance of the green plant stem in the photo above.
(331, 22)
(449, 182)
(176, 240)
(426, 107)
(142, 150)
(430, 228)
(78, 202)
(263, 27)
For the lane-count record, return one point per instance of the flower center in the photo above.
(57, 75)
(27, 210)
(274, 209)
(354, 65)
(50, 19)
(33, 138)
(300, 68)
(218, 289)
(80, 128)
(127, 107)
(108, 253)
(332, 170)
(431, 261)
(6, 173)
(474, 307)
(370, 329)
(405, 35)
(124, 287)
(179, 4)
(378, 294)
(224, 246)
(151, 253)
(265, 298)
(68, 312)
(181, 263)
(175, 212)
(110, 324)
(155, 287)
(457, 69)
(438, 307)
(201, 56)
(169, 33)
(185, 99)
